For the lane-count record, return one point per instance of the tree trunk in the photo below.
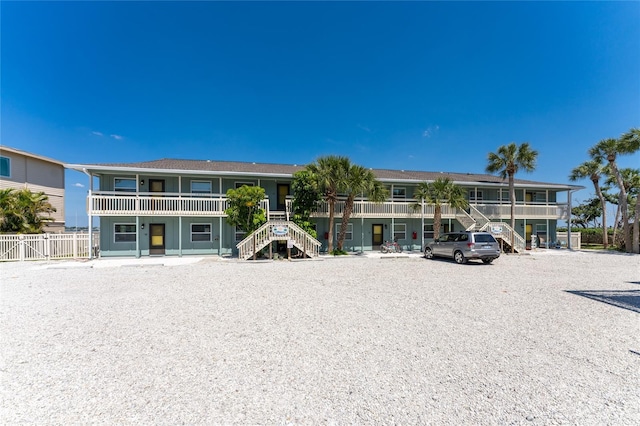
(624, 208)
(332, 205)
(603, 202)
(346, 214)
(512, 195)
(437, 215)
(636, 227)
(615, 224)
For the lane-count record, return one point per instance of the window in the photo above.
(428, 231)
(504, 194)
(541, 228)
(124, 185)
(239, 234)
(473, 193)
(399, 231)
(239, 184)
(348, 236)
(200, 232)
(399, 192)
(540, 197)
(124, 232)
(5, 166)
(200, 187)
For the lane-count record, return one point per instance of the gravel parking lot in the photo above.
(546, 338)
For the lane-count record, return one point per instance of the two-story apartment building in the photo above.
(21, 169)
(176, 207)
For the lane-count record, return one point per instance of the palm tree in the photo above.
(24, 211)
(593, 170)
(330, 173)
(609, 149)
(507, 162)
(439, 192)
(359, 181)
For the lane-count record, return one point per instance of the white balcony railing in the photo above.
(167, 204)
(109, 203)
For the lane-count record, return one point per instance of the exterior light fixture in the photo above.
(142, 226)
(142, 182)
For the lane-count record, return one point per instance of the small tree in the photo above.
(306, 197)
(244, 208)
(24, 212)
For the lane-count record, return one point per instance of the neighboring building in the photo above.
(20, 169)
(176, 207)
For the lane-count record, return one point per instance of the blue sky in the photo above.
(429, 86)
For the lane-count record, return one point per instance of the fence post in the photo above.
(47, 246)
(75, 245)
(21, 247)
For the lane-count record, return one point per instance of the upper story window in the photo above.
(348, 235)
(399, 192)
(124, 185)
(240, 184)
(540, 196)
(5, 166)
(200, 187)
(475, 195)
(504, 194)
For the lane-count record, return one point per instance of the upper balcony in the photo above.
(111, 203)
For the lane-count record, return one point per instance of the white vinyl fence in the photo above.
(47, 246)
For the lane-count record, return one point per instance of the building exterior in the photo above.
(176, 207)
(20, 169)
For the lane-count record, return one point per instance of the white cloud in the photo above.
(78, 185)
(117, 137)
(431, 130)
(97, 133)
(365, 128)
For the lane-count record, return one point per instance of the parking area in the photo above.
(551, 337)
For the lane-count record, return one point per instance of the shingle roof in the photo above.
(238, 167)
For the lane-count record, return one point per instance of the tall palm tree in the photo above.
(507, 162)
(330, 173)
(593, 170)
(609, 149)
(440, 192)
(359, 181)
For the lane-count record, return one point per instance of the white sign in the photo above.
(289, 243)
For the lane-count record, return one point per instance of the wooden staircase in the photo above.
(476, 221)
(278, 230)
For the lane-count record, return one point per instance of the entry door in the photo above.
(377, 235)
(283, 191)
(156, 238)
(528, 232)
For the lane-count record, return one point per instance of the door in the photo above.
(156, 185)
(283, 191)
(156, 238)
(527, 236)
(377, 235)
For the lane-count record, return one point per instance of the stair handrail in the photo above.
(519, 243)
(474, 212)
(264, 235)
(465, 219)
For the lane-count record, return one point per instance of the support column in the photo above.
(137, 236)
(179, 236)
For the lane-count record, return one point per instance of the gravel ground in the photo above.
(547, 338)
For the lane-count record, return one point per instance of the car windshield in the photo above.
(484, 238)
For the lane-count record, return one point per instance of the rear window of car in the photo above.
(484, 238)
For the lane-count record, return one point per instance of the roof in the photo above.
(168, 165)
(28, 154)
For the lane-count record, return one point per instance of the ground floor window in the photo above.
(399, 231)
(428, 231)
(239, 234)
(200, 232)
(124, 232)
(348, 236)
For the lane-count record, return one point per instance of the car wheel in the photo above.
(428, 253)
(487, 261)
(459, 257)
